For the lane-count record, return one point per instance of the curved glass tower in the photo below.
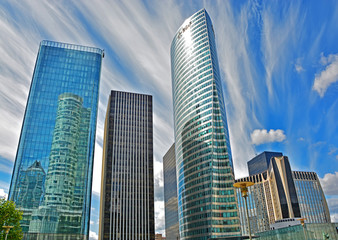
(207, 204)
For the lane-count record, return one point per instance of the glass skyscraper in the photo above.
(170, 195)
(52, 176)
(127, 187)
(207, 205)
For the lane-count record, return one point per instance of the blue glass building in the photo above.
(52, 176)
(261, 162)
(207, 205)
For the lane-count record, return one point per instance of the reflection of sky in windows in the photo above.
(311, 201)
(58, 71)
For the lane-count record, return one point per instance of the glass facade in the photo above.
(261, 162)
(170, 195)
(312, 231)
(312, 202)
(52, 175)
(207, 204)
(127, 188)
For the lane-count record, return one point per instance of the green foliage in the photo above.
(10, 216)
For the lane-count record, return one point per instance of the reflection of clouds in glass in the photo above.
(58, 135)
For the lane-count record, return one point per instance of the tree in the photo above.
(10, 216)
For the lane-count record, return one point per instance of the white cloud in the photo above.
(328, 76)
(261, 136)
(93, 235)
(159, 217)
(333, 207)
(299, 68)
(330, 184)
(298, 65)
(158, 185)
(3, 194)
(334, 217)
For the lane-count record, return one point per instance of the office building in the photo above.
(170, 195)
(261, 162)
(127, 187)
(207, 205)
(52, 176)
(312, 202)
(281, 197)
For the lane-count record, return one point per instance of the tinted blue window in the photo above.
(52, 175)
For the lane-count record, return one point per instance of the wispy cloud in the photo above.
(328, 76)
(279, 39)
(298, 66)
(261, 136)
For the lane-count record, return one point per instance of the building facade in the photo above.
(52, 176)
(170, 195)
(127, 188)
(280, 195)
(207, 205)
(261, 162)
(312, 201)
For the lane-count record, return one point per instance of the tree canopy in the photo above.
(10, 216)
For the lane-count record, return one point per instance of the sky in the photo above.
(278, 62)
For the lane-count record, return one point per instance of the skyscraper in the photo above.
(52, 175)
(207, 204)
(170, 195)
(127, 187)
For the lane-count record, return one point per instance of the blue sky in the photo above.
(278, 59)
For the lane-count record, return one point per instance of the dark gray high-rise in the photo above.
(170, 195)
(127, 187)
